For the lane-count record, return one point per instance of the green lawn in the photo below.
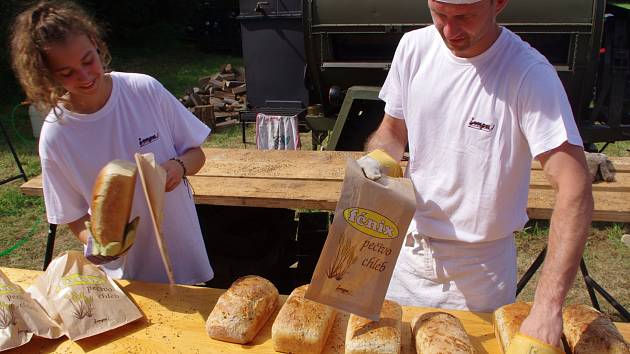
(178, 65)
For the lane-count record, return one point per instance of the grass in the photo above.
(158, 52)
(619, 148)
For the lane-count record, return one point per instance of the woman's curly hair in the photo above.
(44, 24)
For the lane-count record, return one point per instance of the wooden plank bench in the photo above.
(312, 180)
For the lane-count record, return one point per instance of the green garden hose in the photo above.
(23, 240)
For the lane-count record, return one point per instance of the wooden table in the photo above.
(312, 180)
(174, 323)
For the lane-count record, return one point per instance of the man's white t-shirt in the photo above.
(473, 126)
(140, 116)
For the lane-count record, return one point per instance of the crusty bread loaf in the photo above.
(242, 310)
(383, 336)
(507, 322)
(440, 332)
(112, 196)
(302, 325)
(589, 331)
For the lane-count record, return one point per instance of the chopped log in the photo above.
(205, 99)
(230, 101)
(217, 102)
(196, 100)
(216, 84)
(233, 84)
(188, 102)
(204, 81)
(229, 77)
(205, 113)
(239, 89)
(227, 68)
(223, 94)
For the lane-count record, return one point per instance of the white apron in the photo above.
(431, 272)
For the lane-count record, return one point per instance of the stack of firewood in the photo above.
(218, 98)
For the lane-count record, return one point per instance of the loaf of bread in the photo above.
(242, 310)
(302, 325)
(112, 197)
(440, 332)
(589, 331)
(507, 322)
(378, 337)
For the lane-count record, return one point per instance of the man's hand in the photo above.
(544, 325)
(524, 344)
(378, 163)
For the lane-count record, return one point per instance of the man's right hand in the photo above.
(378, 163)
(100, 254)
(523, 344)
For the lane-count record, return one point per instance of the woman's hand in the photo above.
(189, 163)
(174, 174)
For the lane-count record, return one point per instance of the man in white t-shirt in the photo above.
(475, 104)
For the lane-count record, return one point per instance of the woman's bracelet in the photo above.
(181, 163)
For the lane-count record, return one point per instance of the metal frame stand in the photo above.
(52, 228)
(591, 285)
(15, 157)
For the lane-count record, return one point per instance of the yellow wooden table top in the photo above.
(312, 180)
(175, 317)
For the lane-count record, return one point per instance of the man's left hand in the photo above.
(543, 325)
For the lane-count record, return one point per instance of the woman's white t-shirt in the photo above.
(140, 116)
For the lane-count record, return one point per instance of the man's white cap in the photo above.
(459, 2)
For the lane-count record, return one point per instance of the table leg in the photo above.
(592, 286)
(50, 244)
(531, 271)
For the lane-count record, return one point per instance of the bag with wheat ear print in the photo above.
(363, 243)
(83, 299)
(21, 317)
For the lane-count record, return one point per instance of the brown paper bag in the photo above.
(83, 299)
(363, 243)
(153, 180)
(21, 317)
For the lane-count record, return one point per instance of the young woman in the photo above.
(97, 116)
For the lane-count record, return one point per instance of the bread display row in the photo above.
(303, 326)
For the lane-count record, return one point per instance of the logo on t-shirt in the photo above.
(475, 124)
(148, 140)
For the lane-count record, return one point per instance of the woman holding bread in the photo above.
(95, 117)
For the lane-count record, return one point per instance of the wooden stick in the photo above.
(140, 160)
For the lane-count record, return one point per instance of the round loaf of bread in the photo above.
(112, 197)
